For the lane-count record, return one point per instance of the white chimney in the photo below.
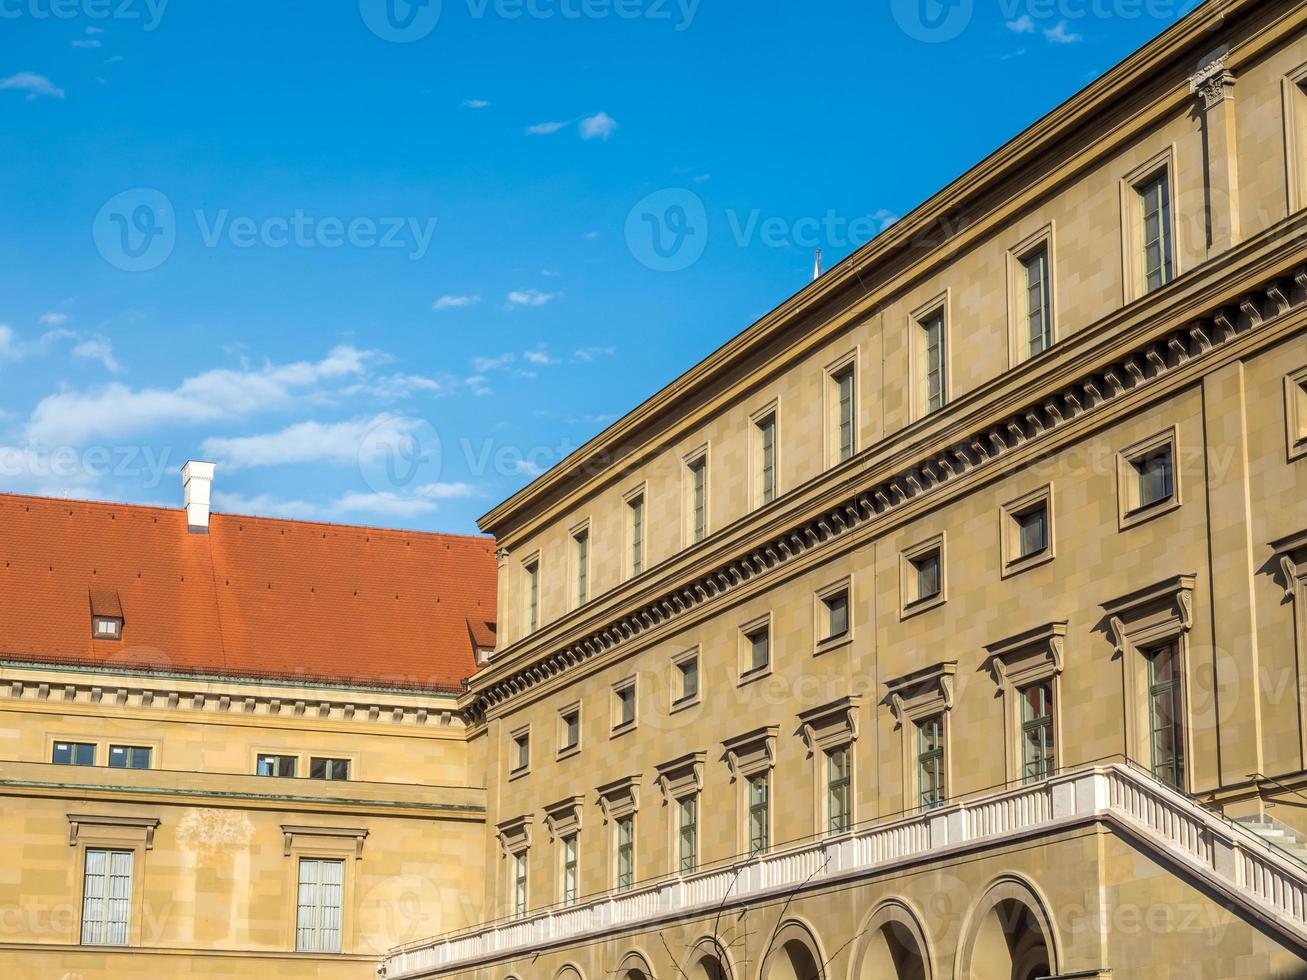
(197, 481)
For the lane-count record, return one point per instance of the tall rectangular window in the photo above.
(276, 765)
(1155, 205)
(624, 707)
(698, 499)
(758, 814)
(532, 596)
(107, 897)
(521, 752)
(926, 568)
(519, 883)
(73, 754)
(625, 863)
(1037, 739)
(569, 723)
(637, 534)
(318, 912)
(845, 412)
(767, 459)
(582, 540)
(757, 644)
(1039, 307)
(1166, 715)
(688, 836)
(571, 866)
(687, 671)
(129, 757)
(836, 609)
(837, 791)
(933, 361)
(1032, 530)
(931, 789)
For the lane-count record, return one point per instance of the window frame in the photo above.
(753, 807)
(565, 749)
(519, 752)
(823, 639)
(322, 862)
(685, 700)
(621, 725)
(693, 462)
(580, 548)
(746, 671)
(73, 745)
(280, 757)
(937, 754)
(1130, 512)
(519, 882)
(759, 421)
(1294, 88)
(940, 306)
(1016, 663)
(688, 803)
(531, 611)
(624, 849)
(1013, 561)
(911, 603)
(1043, 240)
(636, 501)
(1295, 411)
(351, 772)
(1133, 275)
(129, 924)
(130, 752)
(569, 891)
(845, 364)
(837, 787)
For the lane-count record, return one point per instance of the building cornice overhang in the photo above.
(1257, 290)
(1133, 83)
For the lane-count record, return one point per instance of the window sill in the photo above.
(568, 751)
(921, 605)
(758, 673)
(681, 704)
(1019, 565)
(1298, 450)
(620, 730)
(833, 643)
(519, 773)
(1142, 515)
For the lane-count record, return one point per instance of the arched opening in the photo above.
(893, 945)
(1010, 944)
(708, 966)
(794, 955)
(707, 961)
(634, 967)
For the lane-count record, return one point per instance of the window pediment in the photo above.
(923, 692)
(830, 726)
(1031, 655)
(620, 798)
(1151, 613)
(515, 834)
(681, 777)
(751, 753)
(294, 835)
(104, 828)
(563, 819)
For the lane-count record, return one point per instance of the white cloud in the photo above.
(1060, 35)
(72, 417)
(531, 297)
(339, 443)
(95, 30)
(546, 128)
(425, 500)
(98, 349)
(528, 467)
(392, 387)
(475, 104)
(1025, 24)
(589, 354)
(86, 42)
(34, 85)
(590, 236)
(53, 319)
(483, 364)
(8, 344)
(455, 302)
(599, 126)
(538, 357)
(885, 217)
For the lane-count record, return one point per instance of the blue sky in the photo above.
(384, 262)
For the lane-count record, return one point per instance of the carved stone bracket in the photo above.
(751, 753)
(619, 798)
(1162, 605)
(1212, 83)
(515, 834)
(830, 725)
(1031, 650)
(562, 819)
(922, 692)
(142, 826)
(1291, 557)
(681, 777)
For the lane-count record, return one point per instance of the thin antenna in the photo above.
(816, 267)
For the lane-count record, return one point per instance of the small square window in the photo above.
(1148, 480)
(129, 757)
(328, 768)
(837, 614)
(520, 760)
(686, 679)
(73, 754)
(624, 705)
(569, 729)
(922, 582)
(1027, 531)
(833, 626)
(107, 628)
(755, 659)
(276, 765)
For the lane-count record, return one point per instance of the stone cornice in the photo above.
(976, 432)
(961, 209)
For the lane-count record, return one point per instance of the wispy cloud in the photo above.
(1060, 34)
(590, 354)
(528, 467)
(8, 343)
(531, 297)
(86, 42)
(546, 128)
(600, 126)
(53, 319)
(475, 104)
(345, 443)
(421, 502)
(98, 349)
(455, 302)
(484, 364)
(1025, 24)
(34, 85)
(539, 357)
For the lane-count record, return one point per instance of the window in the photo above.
(1295, 125)
(688, 837)
(1026, 532)
(73, 754)
(129, 757)
(757, 648)
(1155, 210)
(933, 353)
(758, 821)
(328, 768)
(624, 705)
(1155, 473)
(1039, 308)
(519, 884)
(1166, 715)
(845, 413)
(107, 897)
(532, 596)
(698, 473)
(318, 911)
(107, 628)
(1037, 739)
(926, 571)
(1032, 526)
(835, 607)
(766, 434)
(521, 751)
(636, 505)
(569, 729)
(571, 866)
(276, 765)
(686, 678)
(922, 579)
(931, 789)
(581, 540)
(1295, 413)
(625, 863)
(838, 816)
(1147, 478)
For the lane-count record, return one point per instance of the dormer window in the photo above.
(106, 615)
(107, 628)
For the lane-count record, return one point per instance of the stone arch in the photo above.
(892, 945)
(634, 967)
(569, 972)
(795, 954)
(1008, 935)
(708, 960)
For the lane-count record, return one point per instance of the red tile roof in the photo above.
(255, 597)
